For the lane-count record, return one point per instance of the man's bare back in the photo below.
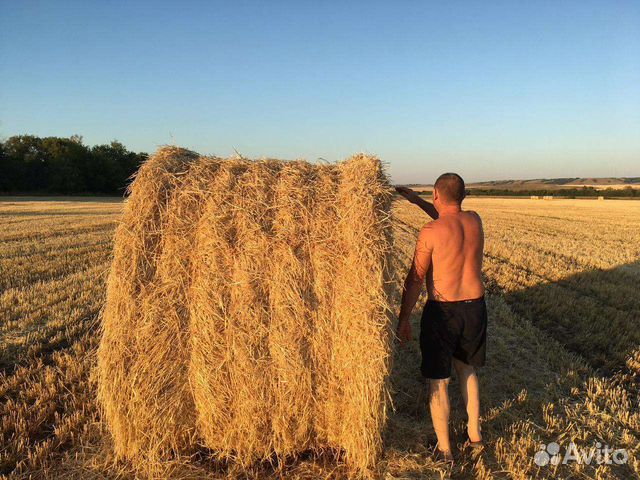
(448, 257)
(456, 242)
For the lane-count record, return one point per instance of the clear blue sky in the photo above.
(489, 89)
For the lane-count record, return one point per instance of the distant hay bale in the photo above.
(248, 310)
(547, 197)
(535, 197)
(600, 198)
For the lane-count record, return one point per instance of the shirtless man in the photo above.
(453, 327)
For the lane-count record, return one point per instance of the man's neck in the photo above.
(445, 210)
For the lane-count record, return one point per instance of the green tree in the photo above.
(29, 164)
(27, 168)
(112, 166)
(67, 159)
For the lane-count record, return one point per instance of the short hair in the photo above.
(451, 188)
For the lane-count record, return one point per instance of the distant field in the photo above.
(564, 344)
(516, 186)
(597, 186)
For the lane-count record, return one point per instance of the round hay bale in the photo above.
(248, 310)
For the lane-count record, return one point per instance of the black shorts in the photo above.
(452, 330)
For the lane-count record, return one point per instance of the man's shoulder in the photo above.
(474, 214)
(432, 225)
(428, 230)
(432, 231)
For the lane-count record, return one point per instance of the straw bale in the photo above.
(248, 310)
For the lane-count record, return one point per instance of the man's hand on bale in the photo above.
(404, 331)
(409, 194)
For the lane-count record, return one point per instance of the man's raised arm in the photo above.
(414, 198)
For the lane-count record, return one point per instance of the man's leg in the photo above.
(439, 406)
(471, 395)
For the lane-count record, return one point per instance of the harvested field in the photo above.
(563, 346)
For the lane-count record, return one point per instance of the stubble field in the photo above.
(563, 353)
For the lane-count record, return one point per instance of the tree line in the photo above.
(58, 165)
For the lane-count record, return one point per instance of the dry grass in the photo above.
(216, 333)
(563, 347)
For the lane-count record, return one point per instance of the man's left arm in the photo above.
(414, 282)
